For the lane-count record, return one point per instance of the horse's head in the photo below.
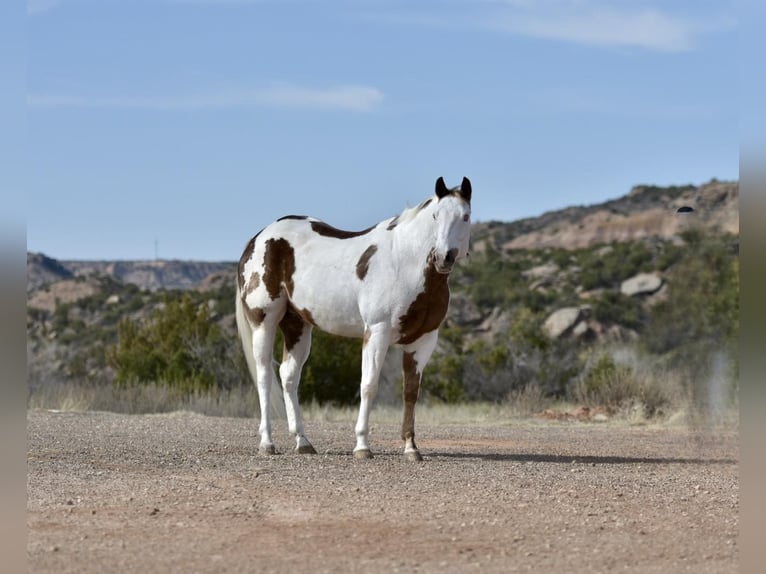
(452, 214)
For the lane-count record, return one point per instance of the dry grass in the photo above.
(153, 398)
(521, 406)
(143, 399)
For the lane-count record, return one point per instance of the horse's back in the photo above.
(311, 263)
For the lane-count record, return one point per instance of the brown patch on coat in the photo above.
(252, 284)
(322, 228)
(279, 267)
(291, 325)
(429, 308)
(246, 255)
(255, 316)
(307, 317)
(411, 377)
(411, 390)
(363, 265)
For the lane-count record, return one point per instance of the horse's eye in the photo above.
(466, 217)
(434, 216)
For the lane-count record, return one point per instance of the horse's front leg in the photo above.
(414, 361)
(374, 348)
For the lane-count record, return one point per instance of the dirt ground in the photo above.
(188, 493)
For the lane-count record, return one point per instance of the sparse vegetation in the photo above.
(178, 346)
(140, 349)
(619, 387)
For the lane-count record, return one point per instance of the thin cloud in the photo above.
(640, 24)
(35, 7)
(339, 98)
(650, 29)
(353, 98)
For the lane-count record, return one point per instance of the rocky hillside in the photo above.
(151, 275)
(647, 211)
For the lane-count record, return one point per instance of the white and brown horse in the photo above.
(386, 285)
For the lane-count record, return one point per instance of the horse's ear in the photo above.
(465, 189)
(441, 189)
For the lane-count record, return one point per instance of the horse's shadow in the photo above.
(577, 459)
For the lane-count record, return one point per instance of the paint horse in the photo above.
(386, 285)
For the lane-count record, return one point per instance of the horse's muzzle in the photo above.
(446, 264)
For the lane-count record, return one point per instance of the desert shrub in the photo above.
(624, 260)
(223, 299)
(701, 309)
(443, 376)
(535, 300)
(696, 327)
(488, 371)
(561, 257)
(484, 371)
(612, 307)
(527, 400)
(333, 370)
(179, 346)
(556, 367)
(526, 330)
(670, 254)
(614, 386)
(491, 279)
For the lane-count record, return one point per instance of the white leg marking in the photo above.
(263, 343)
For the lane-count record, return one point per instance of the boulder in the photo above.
(545, 271)
(641, 284)
(562, 321)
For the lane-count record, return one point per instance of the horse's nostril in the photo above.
(451, 256)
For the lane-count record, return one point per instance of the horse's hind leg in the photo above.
(297, 344)
(263, 353)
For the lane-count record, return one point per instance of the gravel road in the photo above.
(189, 493)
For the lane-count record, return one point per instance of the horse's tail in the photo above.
(276, 400)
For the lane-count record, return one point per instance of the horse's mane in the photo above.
(409, 213)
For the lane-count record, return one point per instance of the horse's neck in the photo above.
(412, 246)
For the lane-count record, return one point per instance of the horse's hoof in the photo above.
(305, 449)
(267, 449)
(412, 456)
(362, 453)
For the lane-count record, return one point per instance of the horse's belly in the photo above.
(330, 306)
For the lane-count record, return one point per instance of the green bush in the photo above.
(179, 346)
(443, 378)
(615, 387)
(333, 371)
(702, 304)
(624, 260)
(612, 307)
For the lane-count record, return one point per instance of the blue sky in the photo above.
(182, 127)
